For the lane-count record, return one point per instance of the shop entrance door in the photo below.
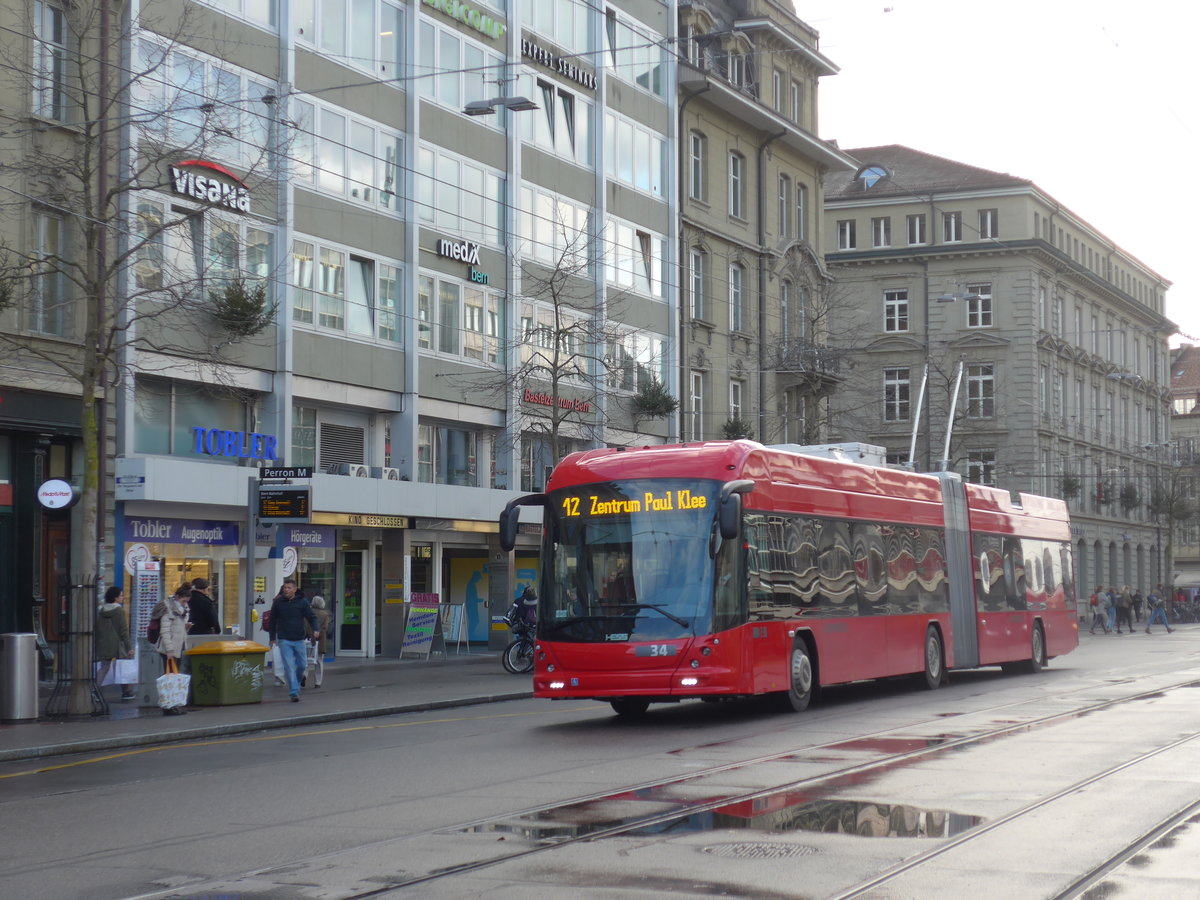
(356, 632)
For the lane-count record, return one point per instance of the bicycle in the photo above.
(518, 655)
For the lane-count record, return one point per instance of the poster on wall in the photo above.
(469, 586)
(422, 631)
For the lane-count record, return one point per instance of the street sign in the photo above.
(283, 504)
(288, 472)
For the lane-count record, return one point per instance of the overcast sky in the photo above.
(1095, 102)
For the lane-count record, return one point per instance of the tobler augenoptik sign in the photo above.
(195, 178)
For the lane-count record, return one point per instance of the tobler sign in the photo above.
(195, 178)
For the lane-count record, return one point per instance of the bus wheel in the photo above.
(935, 672)
(629, 707)
(1037, 659)
(800, 691)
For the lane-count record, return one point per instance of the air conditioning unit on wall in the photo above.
(354, 470)
(387, 473)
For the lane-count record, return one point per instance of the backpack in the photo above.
(265, 621)
(154, 630)
(1095, 599)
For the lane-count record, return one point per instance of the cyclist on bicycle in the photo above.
(523, 614)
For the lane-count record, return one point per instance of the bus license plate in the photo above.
(655, 650)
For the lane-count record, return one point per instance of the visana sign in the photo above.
(240, 444)
(465, 251)
(469, 15)
(187, 182)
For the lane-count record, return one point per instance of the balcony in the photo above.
(803, 360)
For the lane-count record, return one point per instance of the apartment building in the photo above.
(1179, 488)
(754, 285)
(419, 248)
(971, 302)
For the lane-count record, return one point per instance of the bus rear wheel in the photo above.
(629, 707)
(800, 679)
(1037, 655)
(935, 669)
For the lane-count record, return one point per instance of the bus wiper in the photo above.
(658, 609)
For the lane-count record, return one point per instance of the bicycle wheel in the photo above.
(518, 656)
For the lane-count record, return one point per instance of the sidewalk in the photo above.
(352, 689)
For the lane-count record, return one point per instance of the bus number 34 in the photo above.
(655, 650)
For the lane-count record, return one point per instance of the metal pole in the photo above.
(944, 466)
(912, 446)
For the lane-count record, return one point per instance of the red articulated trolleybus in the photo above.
(730, 569)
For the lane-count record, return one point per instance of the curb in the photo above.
(210, 731)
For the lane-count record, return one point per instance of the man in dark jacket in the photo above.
(202, 611)
(289, 611)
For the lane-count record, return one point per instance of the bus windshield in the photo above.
(628, 561)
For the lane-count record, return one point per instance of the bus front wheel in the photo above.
(935, 670)
(800, 681)
(629, 707)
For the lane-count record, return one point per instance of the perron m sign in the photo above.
(194, 178)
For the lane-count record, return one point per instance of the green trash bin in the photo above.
(225, 673)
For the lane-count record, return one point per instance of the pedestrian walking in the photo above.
(1138, 600)
(1110, 608)
(1099, 614)
(290, 610)
(1158, 612)
(1125, 609)
(324, 630)
(112, 636)
(202, 611)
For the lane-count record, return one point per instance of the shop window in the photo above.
(167, 415)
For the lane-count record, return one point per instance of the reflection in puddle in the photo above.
(894, 744)
(796, 812)
(782, 811)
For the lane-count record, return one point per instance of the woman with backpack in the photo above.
(1099, 616)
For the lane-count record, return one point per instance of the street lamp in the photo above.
(489, 107)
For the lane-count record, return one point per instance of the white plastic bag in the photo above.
(277, 665)
(173, 690)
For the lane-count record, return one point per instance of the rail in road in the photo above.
(881, 785)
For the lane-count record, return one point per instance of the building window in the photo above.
(917, 230)
(785, 310)
(365, 34)
(785, 207)
(896, 390)
(636, 258)
(895, 310)
(847, 239)
(697, 406)
(881, 231)
(979, 306)
(458, 319)
(698, 183)
(795, 416)
(555, 343)
(49, 311)
(447, 455)
(557, 231)
(347, 157)
(173, 418)
(459, 197)
(637, 156)
(50, 62)
(636, 360)
(737, 186)
(699, 268)
(736, 300)
(795, 101)
(735, 399)
(981, 391)
(987, 223)
(635, 53)
(304, 436)
(981, 466)
(897, 459)
(951, 227)
(801, 212)
(565, 22)
(537, 457)
(450, 68)
(777, 91)
(736, 66)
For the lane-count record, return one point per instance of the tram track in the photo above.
(547, 829)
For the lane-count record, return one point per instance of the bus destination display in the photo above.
(645, 502)
(283, 504)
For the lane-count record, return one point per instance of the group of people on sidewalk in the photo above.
(293, 621)
(1112, 608)
(189, 610)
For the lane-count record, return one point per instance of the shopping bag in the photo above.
(173, 690)
(310, 654)
(122, 671)
(277, 664)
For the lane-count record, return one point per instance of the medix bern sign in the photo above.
(189, 179)
(465, 251)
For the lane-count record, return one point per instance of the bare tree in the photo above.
(575, 366)
(94, 273)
